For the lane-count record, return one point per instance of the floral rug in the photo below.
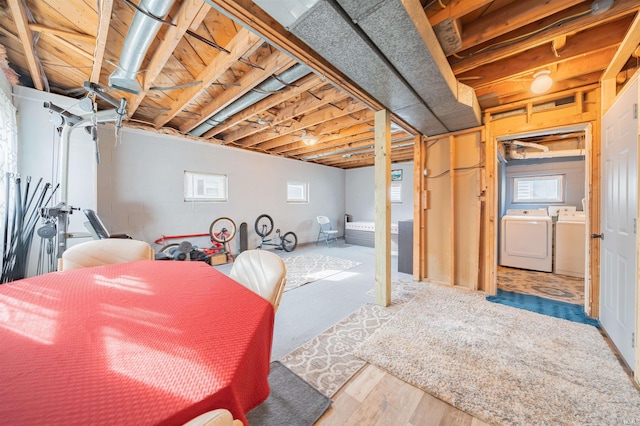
(327, 361)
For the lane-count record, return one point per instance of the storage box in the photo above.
(218, 259)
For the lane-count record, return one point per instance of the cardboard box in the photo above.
(218, 259)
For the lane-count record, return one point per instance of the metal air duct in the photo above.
(389, 49)
(270, 85)
(141, 33)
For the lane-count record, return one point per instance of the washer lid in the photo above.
(572, 217)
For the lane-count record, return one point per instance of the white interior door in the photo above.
(618, 248)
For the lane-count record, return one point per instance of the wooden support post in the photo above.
(452, 201)
(579, 100)
(382, 171)
(418, 208)
(491, 206)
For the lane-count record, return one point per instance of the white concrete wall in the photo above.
(360, 193)
(140, 188)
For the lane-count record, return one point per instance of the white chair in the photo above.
(262, 272)
(219, 417)
(104, 252)
(326, 233)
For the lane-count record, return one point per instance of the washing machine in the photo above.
(526, 240)
(570, 244)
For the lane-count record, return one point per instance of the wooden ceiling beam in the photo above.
(295, 144)
(344, 135)
(567, 70)
(304, 106)
(273, 64)
(102, 33)
(455, 9)
(339, 149)
(243, 41)
(627, 48)
(265, 140)
(64, 44)
(473, 60)
(26, 39)
(509, 18)
(85, 38)
(367, 156)
(582, 81)
(301, 86)
(184, 19)
(526, 63)
(249, 14)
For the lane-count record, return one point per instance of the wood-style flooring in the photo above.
(375, 397)
(543, 284)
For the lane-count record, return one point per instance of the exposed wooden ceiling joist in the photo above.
(510, 18)
(577, 18)
(184, 19)
(186, 80)
(102, 33)
(26, 38)
(243, 42)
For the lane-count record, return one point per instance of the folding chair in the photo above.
(326, 233)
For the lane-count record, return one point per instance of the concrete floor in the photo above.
(308, 310)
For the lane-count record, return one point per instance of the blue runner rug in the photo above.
(554, 308)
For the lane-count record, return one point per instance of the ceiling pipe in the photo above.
(514, 155)
(529, 145)
(265, 89)
(141, 33)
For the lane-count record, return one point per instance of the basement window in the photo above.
(205, 187)
(538, 189)
(297, 192)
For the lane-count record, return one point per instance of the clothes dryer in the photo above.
(526, 240)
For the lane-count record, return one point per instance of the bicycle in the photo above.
(221, 231)
(264, 226)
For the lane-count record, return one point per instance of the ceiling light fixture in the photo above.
(541, 82)
(308, 139)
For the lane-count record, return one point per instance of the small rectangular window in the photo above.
(205, 187)
(297, 192)
(396, 192)
(538, 189)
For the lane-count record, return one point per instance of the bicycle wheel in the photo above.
(168, 248)
(264, 225)
(222, 230)
(289, 241)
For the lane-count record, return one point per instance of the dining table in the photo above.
(139, 343)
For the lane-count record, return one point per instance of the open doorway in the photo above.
(543, 199)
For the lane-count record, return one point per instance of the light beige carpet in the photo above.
(504, 365)
(307, 268)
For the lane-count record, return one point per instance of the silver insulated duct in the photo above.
(141, 33)
(389, 49)
(269, 86)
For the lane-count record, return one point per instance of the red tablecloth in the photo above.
(132, 344)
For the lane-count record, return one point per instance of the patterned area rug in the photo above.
(307, 268)
(543, 284)
(327, 362)
(504, 365)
